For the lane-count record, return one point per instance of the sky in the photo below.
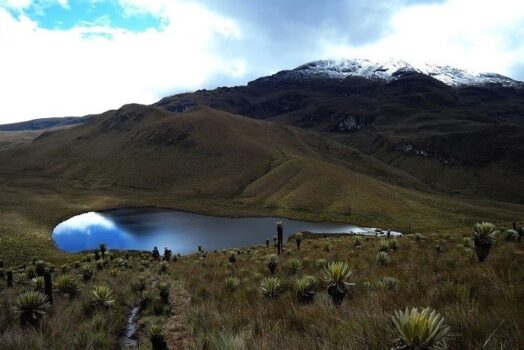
(72, 58)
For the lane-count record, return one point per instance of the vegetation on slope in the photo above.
(210, 162)
(206, 300)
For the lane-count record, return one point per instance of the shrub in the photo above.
(145, 298)
(67, 285)
(357, 242)
(158, 341)
(163, 267)
(327, 247)
(383, 246)
(38, 283)
(419, 237)
(271, 287)
(336, 275)
(87, 272)
(484, 233)
(163, 290)
(304, 288)
(389, 284)
(298, 239)
(320, 263)
(272, 263)
(511, 235)
(232, 258)
(102, 297)
(232, 283)
(40, 267)
(393, 244)
(466, 242)
(19, 278)
(294, 265)
(383, 258)
(425, 329)
(140, 284)
(483, 237)
(30, 307)
(30, 272)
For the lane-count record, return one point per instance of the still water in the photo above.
(182, 232)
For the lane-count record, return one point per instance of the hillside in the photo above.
(469, 134)
(206, 160)
(205, 152)
(43, 123)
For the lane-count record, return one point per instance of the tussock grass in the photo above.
(481, 303)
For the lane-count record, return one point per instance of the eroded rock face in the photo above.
(352, 123)
(422, 151)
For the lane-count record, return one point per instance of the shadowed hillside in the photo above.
(205, 152)
(469, 135)
(211, 162)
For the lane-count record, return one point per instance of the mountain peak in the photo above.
(393, 69)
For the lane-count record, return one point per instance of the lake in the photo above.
(182, 232)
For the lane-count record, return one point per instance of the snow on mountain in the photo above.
(393, 69)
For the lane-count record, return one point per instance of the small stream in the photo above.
(129, 339)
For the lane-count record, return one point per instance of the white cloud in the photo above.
(15, 4)
(90, 69)
(84, 222)
(93, 67)
(475, 34)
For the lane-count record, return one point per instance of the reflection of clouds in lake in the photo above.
(144, 228)
(85, 222)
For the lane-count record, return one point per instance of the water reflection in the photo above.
(182, 232)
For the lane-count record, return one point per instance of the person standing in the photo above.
(156, 254)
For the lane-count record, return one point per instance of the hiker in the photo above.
(156, 254)
(167, 254)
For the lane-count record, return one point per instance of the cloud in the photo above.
(478, 35)
(84, 222)
(16, 5)
(89, 69)
(95, 65)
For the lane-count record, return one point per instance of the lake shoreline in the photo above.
(142, 228)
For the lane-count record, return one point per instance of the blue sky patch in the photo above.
(52, 15)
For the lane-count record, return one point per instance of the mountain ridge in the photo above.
(461, 140)
(392, 69)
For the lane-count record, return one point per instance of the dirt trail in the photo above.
(177, 334)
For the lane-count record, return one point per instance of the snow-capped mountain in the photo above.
(393, 69)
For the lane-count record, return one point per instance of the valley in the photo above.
(399, 151)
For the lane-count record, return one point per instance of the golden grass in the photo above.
(480, 302)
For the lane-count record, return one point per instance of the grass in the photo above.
(227, 165)
(480, 302)
(30, 208)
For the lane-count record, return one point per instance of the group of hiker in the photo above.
(167, 254)
(279, 243)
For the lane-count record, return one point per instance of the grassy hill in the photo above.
(463, 140)
(211, 162)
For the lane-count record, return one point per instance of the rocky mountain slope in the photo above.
(465, 137)
(392, 70)
(458, 134)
